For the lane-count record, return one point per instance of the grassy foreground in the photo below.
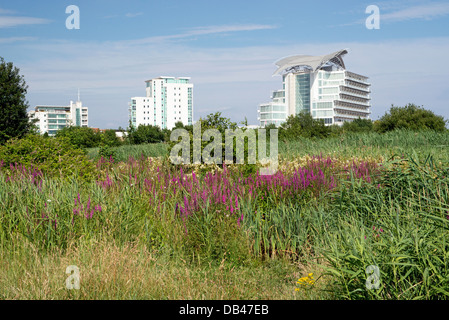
(364, 217)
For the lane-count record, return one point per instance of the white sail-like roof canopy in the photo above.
(314, 62)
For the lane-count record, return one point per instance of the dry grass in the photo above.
(108, 271)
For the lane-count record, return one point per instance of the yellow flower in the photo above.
(306, 281)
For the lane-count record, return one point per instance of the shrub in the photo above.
(145, 134)
(216, 133)
(358, 125)
(110, 139)
(410, 117)
(53, 156)
(106, 152)
(80, 137)
(304, 125)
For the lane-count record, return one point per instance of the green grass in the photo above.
(349, 145)
(372, 144)
(138, 246)
(122, 153)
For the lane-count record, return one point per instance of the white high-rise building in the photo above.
(320, 85)
(167, 101)
(54, 118)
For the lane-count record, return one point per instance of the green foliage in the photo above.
(80, 137)
(145, 134)
(106, 152)
(14, 121)
(270, 126)
(216, 121)
(400, 225)
(303, 125)
(110, 139)
(242, 146)
(410, 117)
(371, 144)
(53, 156)
(125, 151)
(358, 125)
(214, 237)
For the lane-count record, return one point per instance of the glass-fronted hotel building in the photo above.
(320, 85)
(168, 100)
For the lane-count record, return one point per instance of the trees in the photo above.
(303, 124)
(14, 121)
(358, 125)
(410, 117)
(81, 137)
(110, 139)
(216, 121)
(145, 134)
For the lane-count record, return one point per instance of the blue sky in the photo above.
(228, 48)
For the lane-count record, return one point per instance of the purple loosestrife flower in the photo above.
(239, 220)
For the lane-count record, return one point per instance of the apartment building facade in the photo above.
(167, 101)
(52, 118)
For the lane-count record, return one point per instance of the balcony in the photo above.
(350, 106)
(357, 78)
(357, 86)
(351, 114)
(354, 92)
(56, 111)
(354, 100)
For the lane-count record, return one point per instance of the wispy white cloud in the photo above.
(206, 30)
(132, 15)
(111, 16)
(14, 21)
(17, 39)
(427, 12)
(228, 28)
(399, 11)
(6, 11)
(127, 15)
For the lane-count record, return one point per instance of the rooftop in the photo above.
(174, 78)
(314, 62)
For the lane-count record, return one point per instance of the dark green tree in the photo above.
(145, 134)
(14, 121)
(81, 137)
(358, 125)
(179, 125)
(410, 117)
(110, 139)
(303, 125)
(216, 121)
(270, 126)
